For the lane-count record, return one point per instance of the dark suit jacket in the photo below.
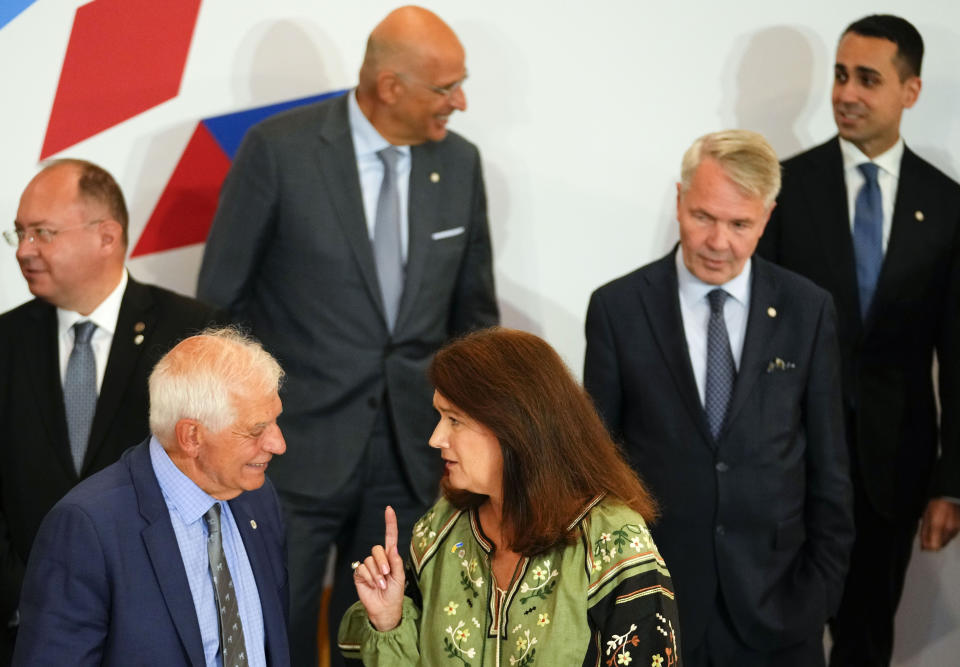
(106, 584)
(289, 254)
(764, 513)
(36, 468)
(887, 382)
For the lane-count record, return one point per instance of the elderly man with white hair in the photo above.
(173, 555)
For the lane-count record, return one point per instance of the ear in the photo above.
(389, 87)
(111, 234)
(189, 437)
(679, 198)
(766, 219)
(911, 91)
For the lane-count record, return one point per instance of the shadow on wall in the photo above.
(775, 86)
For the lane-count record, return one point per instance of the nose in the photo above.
(717, 238)
(458, 100)
(27, 247)
(273, 440)
(844, 91)
(437, 438)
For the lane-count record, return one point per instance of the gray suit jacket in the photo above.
(289, 255)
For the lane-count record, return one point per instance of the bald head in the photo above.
(409, 81)
(73, 221)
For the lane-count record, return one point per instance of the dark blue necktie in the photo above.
(721, 371)
(80, 391)
(868, 236)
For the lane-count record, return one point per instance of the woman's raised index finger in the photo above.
(390, 535)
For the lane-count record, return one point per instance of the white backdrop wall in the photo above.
(581, 114)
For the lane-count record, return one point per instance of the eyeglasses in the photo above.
(40, 234)
(447, 91)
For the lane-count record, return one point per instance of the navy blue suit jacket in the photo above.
(763, 513)
(105, 584)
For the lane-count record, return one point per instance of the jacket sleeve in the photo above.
(358, 639)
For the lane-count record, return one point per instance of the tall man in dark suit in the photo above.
(63, 420)
(719, 373)
(352, 236)
(174, 554)
(868, 220)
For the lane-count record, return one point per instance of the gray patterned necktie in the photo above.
(721, 371)
(80, 391)
(232, 646)
(868, 235)
(386, 236)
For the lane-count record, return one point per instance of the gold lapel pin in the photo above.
(138, 339)
(253, 524)
(434, 177)
(139, 327)
(918, 215)
(771, 311)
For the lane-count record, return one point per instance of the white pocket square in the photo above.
(447, 233)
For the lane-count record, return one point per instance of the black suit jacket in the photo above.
(887, 381)
(36, 468)
(764, 513)
(289, 254)
(106, 583)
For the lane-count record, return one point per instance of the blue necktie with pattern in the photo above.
(80, 391)
(868, 236)
(721, 371)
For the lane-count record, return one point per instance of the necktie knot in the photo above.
(869, 171)
(83, 332)
(717, 298)
(389, 156)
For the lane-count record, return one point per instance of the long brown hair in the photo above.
(557, 455)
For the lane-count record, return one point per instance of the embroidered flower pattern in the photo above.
(542, 573)
(454, 643)
(656, 661)
(525, 650)
(471, 583)
(543, 619)
(610, 545)
(451, 608)
(617, 646)
(422, 531)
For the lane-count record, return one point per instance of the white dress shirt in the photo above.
(888, 176)
(105, 317)
(366, 143)
(695, 311)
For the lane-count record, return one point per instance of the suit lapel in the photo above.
(826, 185)
(41, 349)
(761, 326)
(136, 308)
(338, 164)
(661, 302)
(268, 580)
(164, 552)
(422, 220)
(907, 238)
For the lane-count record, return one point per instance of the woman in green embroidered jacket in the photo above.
(538, 553)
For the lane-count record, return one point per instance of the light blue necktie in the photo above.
(868, 235)
(721, 371)
(80, 391)
(386, 236)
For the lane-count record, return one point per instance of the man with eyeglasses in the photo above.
(74, 361)
(352, 237)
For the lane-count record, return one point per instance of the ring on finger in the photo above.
(354, 565)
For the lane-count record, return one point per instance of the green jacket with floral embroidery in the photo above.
(606, 599)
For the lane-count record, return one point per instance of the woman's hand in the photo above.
(380, 579)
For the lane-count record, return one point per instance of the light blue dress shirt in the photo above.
(187, 503)
(366, 143)
(695, 311)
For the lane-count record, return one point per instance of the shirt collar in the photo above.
(888, 161)
(693, 289)
(104, 316)
(181, 493)
(366, 140)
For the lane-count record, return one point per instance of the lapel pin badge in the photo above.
(139, 327)
(253, 524)
(434, 177)
(771, 311)
(138, 339)
(918, 215)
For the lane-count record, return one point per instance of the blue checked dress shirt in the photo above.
(187, 504)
